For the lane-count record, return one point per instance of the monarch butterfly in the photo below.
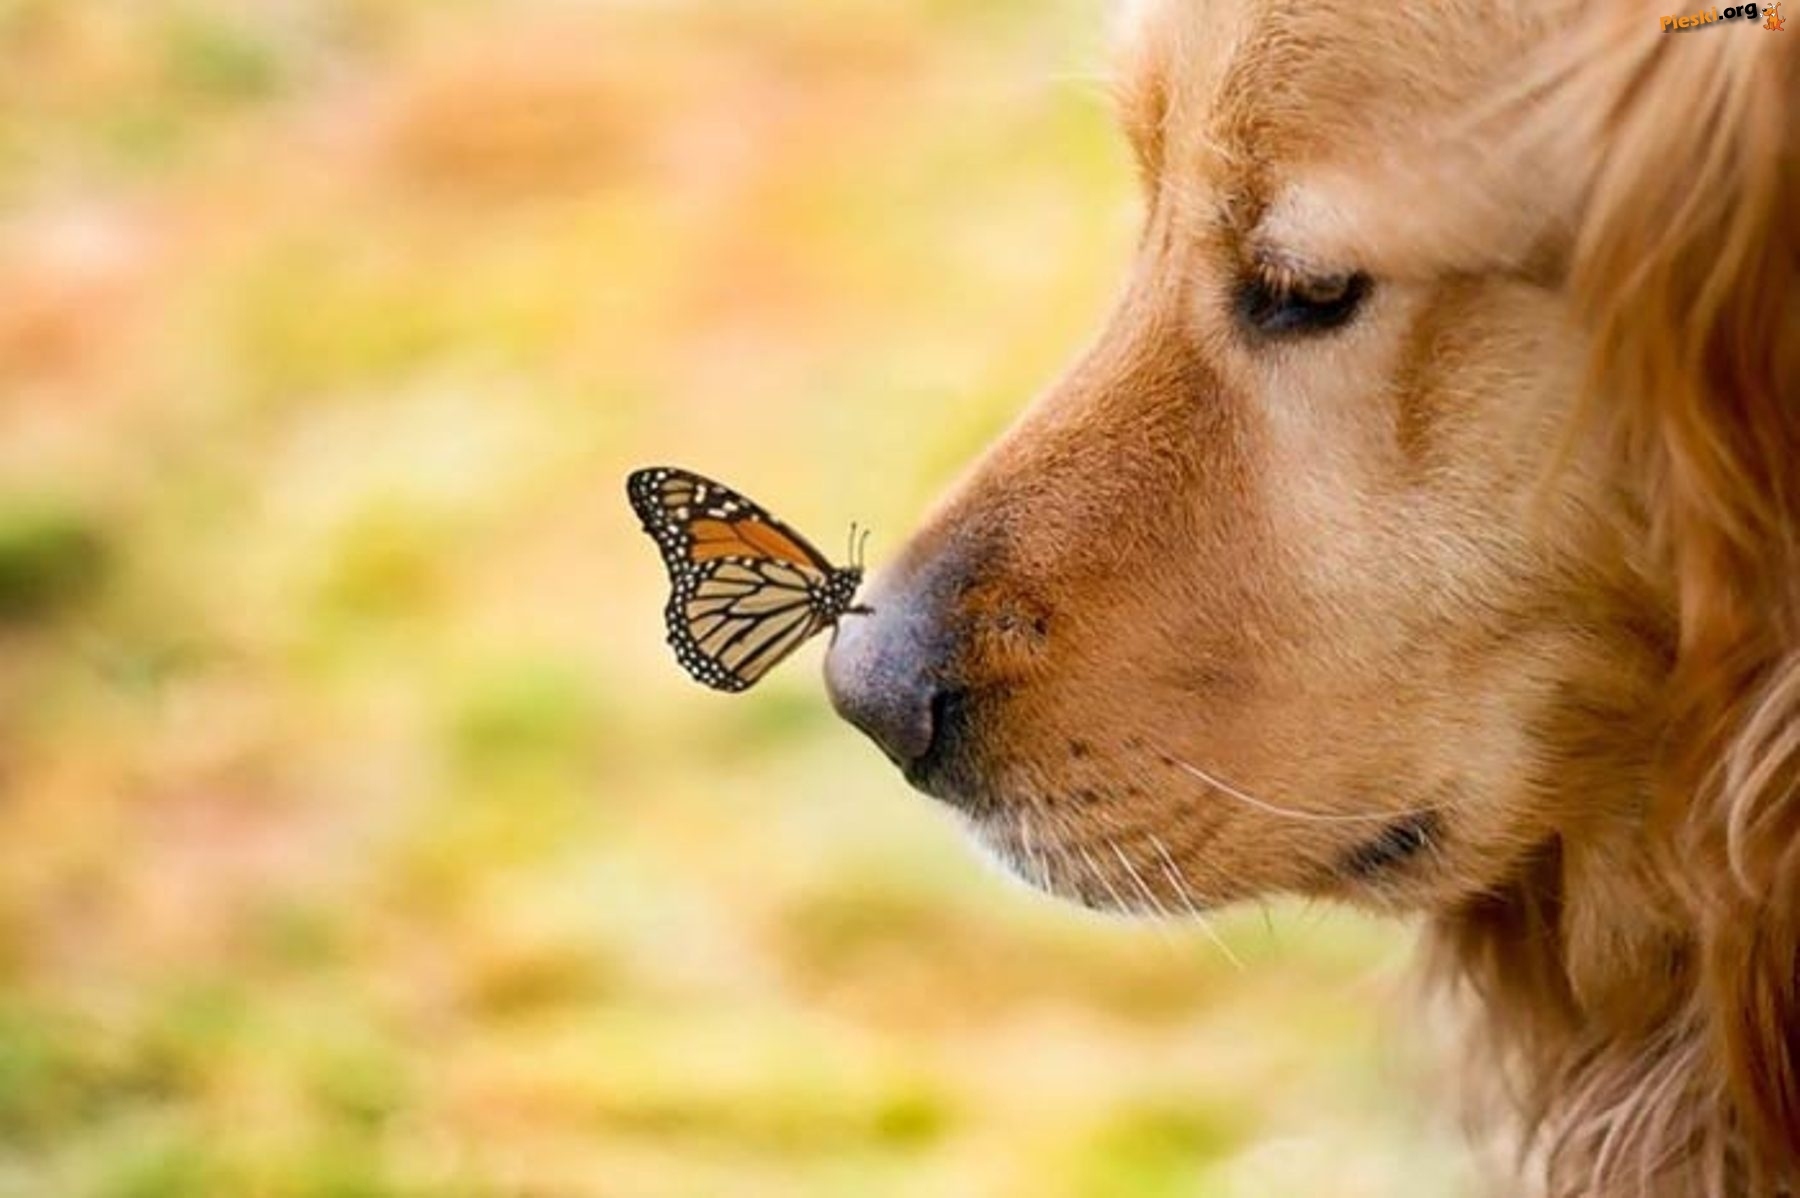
(747, 590)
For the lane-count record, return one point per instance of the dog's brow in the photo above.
(1275, 255)
(1294, 233)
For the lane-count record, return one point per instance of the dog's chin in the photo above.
(1093, 880)
(999, 844)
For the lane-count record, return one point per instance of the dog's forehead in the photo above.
(1318, 115)
(1318, 75)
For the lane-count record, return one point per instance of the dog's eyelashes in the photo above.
(1271, 306)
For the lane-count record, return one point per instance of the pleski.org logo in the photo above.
(1741, 12)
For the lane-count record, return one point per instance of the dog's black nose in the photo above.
(879, 673)
(889, 674)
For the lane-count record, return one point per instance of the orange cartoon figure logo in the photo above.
(1774, 22)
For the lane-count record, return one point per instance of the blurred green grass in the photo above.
(362, 838)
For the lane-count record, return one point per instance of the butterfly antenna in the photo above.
(862, 549)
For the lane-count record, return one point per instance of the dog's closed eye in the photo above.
(1282, 304)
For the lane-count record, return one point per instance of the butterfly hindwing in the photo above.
(745, 589)
(728, 636)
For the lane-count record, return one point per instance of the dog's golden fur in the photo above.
(1485, 604)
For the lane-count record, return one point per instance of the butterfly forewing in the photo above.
(745, 589)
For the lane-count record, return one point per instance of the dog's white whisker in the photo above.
(1112, 891)
(1164, 919)
(1062, 867)
(1137, 880)
(1316, 817)
(1033, 860)
(1024, 827)
(1178, 881)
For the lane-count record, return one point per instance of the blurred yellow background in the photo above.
(361, 836)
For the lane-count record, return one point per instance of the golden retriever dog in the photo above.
(1422, 531)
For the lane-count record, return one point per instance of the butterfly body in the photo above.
(745, 589)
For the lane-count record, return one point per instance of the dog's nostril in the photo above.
(949, 711)
(947, 707)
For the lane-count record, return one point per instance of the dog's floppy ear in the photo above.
(1686, 260)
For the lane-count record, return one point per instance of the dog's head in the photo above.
(1271, 592)
(1422, 530)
